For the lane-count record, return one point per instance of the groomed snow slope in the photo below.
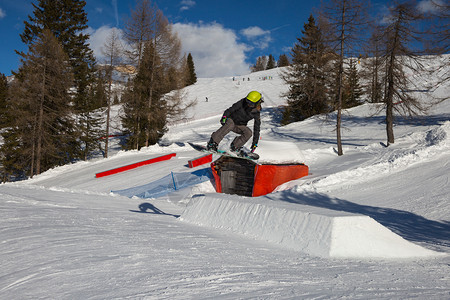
(64, 235)
(367, 162)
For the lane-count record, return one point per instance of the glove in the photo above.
(223, 120)
(253, 147)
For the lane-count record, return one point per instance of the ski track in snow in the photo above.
(63, 234)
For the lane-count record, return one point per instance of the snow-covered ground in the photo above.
(64, 235)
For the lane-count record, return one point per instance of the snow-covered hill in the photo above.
(64, 235)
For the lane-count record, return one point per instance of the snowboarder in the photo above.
(235, 119)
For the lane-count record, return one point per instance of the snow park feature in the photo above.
(232, 175)
(64, 235)
(244, 177)
(198, 161)
(242, 153)
(135, 165)
(318, 232)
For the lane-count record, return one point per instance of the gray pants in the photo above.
(244, 132)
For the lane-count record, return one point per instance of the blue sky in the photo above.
(224, 36)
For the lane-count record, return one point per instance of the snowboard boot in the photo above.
(212, 146)
(237, 151)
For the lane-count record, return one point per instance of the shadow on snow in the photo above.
(149, 208)
(410, 226)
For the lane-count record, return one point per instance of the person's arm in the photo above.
(256, 129)
(229, 112)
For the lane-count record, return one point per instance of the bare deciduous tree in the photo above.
(345, 20)
(260, 65)
(148, 30)
(372, 69)
(440, 32)
(406, 48)
(139, 29)
(112, 50)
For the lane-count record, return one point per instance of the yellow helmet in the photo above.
(254, 96)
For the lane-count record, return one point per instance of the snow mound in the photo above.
(316, 231)
(269, 151)
(418, 147)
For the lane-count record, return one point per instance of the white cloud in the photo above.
(385, 15)
(287, 49)
(215, 49)
(424, 6)
(2, 13)
(254, 31)
(258, 37)
(430, 6)
(186, 4)
(386, 19)
(98, 38)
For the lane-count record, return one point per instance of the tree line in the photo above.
(53, 112)
(323, 76)
(268, 62)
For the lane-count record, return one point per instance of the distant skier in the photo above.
(235, 119)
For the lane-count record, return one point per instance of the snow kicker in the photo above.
(315, 231)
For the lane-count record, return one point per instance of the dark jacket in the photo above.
(241, 113)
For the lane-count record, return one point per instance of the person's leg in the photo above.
(245, 134)
(219, 134)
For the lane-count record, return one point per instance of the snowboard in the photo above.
(248, 155)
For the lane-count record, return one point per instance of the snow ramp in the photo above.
(315, 231)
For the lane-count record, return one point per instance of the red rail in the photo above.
(200, 160)
(135, 165)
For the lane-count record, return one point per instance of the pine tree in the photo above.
(67, 20)
(90, 119)
(260, 65)
(270, 62)
(192, 77)
(41, 136)
(283, 61)
(4, 121)
(307, 75)
(352, 90)
(145, 109)
(99, 89)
